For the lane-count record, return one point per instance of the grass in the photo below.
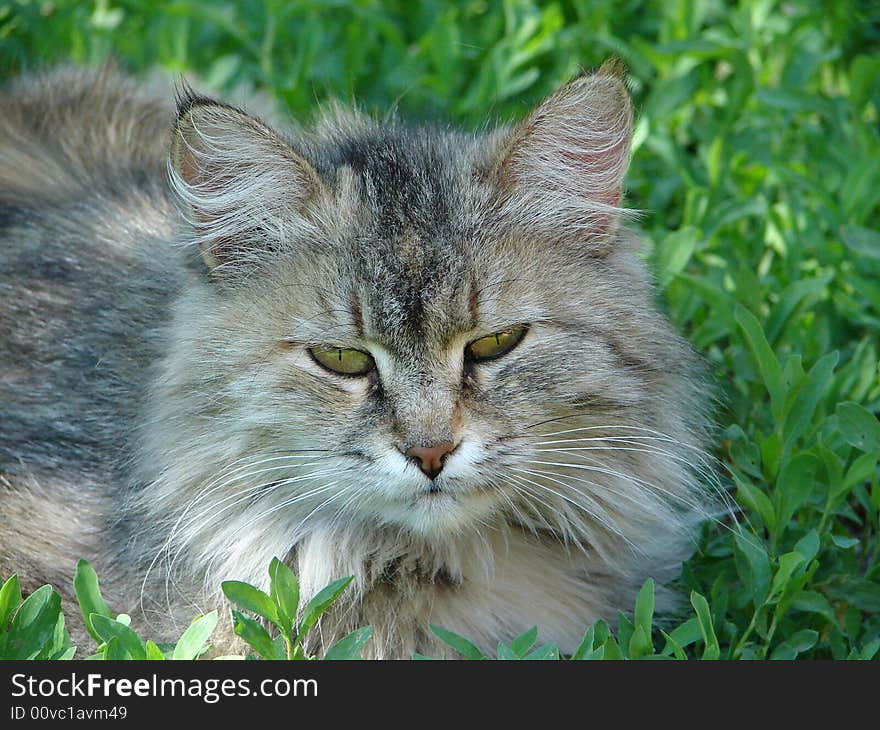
(757, 165)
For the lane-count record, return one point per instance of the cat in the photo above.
(425, 358)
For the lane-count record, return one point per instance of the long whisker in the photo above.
(632, 499)
(695, 506)
(257, 488)
(709, 463)
(561, 532)
(653, 450)
(653, 433)
(205, 492)
(592, 508)
(171, 560)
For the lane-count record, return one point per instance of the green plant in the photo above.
(114, 635)
(279, 608)
(32, 628)
(756, 166)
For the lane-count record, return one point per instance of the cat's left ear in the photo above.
(243, 186)
(562, 168)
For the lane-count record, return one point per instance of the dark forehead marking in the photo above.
(409, 178)
(356, 314)
(473, 304)
(409, 253)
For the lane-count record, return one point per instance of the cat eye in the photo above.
(495, 345)
(345, 361)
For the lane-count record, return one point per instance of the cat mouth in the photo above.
(434, 492)
(454, 490)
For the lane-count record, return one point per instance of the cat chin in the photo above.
(433, 514)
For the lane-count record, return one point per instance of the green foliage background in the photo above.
(757, 165)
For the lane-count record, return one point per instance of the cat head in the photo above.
(423, 330)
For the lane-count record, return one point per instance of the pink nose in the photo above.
(430, 458)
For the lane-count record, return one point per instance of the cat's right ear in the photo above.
(242, 186)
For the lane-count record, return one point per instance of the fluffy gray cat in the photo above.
(424, 358)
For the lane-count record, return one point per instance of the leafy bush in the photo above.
(757, 167)
(34, 628)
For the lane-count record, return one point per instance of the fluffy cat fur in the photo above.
(163, 273)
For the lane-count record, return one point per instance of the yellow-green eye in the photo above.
(342, 360)
(496, 345)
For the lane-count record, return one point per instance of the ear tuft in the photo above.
(613, 67)
(242, 186)
(563, 167)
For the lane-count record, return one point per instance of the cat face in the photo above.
(421, 330)
(414, 312)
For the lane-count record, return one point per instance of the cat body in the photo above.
(512, 433)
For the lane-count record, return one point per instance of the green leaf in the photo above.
(674, 252)
(862, 594)
(602, 632)
(793, 295)
(88, 595)
(771, 455)
(284, 591)
(833, 473)
(757, 501)
(586, 645)
(544, 653)
(193, 641)
(639, 644)
(859, 426)
(153, 652)
(10, 597)
(459, 643)
(864, 78)
(788, 564)
(128, 642)
(673, 646)
(33, 625)
(59, 641)
(611, 650)
(625, 630)
(350, 645)
(597, 654)
(813, 602)
(844, 543)
(869, 651)
(808, 545)
(320, 603)
(807, 398)
(747, 456)
(862, 241)
(525, 641)
(254, 634)
(861, 470)
(794, 485)
(644, 613)
(757, 579)
(707, 629)
(687, 633)
(505, 653)
(246, 596)
(115, 651)
(797, 643)
(763, 354)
